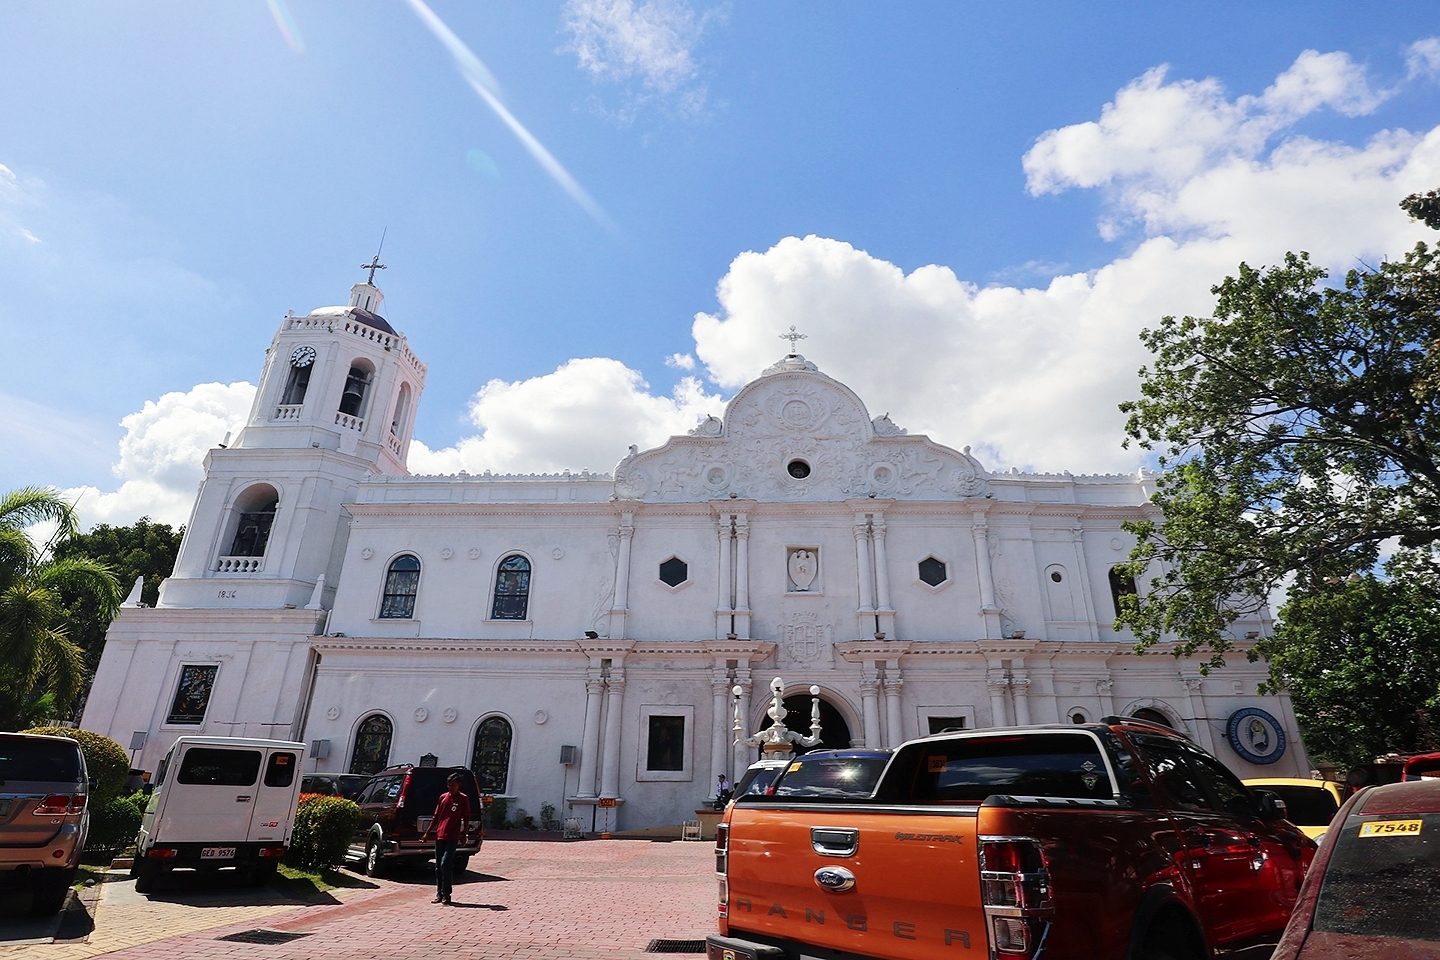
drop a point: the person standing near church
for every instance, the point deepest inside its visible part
(451, 813)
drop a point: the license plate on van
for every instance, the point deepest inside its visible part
(217, 853)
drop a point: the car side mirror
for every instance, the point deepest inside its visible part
(1271, 806)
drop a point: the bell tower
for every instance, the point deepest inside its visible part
(336, 404)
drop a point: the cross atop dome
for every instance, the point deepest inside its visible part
(794, 338)
(375, 264)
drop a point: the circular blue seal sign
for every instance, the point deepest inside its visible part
(1256, 735)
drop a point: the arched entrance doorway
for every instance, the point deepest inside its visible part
(834, 731)
(1151, 716)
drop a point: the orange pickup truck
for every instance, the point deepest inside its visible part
(1114, 840)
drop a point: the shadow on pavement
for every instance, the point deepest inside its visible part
(73, 922)
(227, 889)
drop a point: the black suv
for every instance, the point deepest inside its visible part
(396, 807)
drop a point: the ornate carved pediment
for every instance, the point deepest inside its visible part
(795, 434)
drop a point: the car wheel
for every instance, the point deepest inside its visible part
(462, 860)
(374, 864)
(146, 873)
(48, 893)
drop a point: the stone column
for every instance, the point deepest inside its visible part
(869, 701)
(615, 700)
(989, 609)
(884, 613)
(1195, 704)
(590, 739)
(724, 606)
(997, 687)
(622, 577)
(742, 577)
(1082, 570)
(866, 614)
(740, 754)
(1020, 690)
(1104, 690)
(721, 720)
(894, 725)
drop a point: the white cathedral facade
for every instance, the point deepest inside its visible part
(577, 636)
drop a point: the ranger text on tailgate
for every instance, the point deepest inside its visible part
(1116, 841)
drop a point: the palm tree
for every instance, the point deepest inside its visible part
(39, 665)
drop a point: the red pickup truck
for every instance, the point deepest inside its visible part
(1114, 840)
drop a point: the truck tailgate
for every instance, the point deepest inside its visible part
(916, 891)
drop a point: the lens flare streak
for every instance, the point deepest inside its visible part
(286, 23)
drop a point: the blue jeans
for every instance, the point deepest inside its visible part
(445, 867)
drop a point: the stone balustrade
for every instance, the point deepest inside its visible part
(240, 565)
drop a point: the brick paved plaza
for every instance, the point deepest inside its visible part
(524, 899)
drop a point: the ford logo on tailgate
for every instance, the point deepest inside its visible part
(834, 879)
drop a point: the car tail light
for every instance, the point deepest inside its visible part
(404, 789)
(272, 852)
(59, 804)
(163, 853)
(1015, 890)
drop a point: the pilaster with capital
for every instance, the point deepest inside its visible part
(742, 577)
(884, 612)
(1195, 704)
(720, 727)
(997, 686)
(894, 684)
(622, 577)
(1082, 570)
(865, 576)
(614, 714)
(870, 708)
(724, 604)
(1105, 691)
(590, 738)
(989, 610)
(1020, 690)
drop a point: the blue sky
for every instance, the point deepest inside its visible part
(959, 203)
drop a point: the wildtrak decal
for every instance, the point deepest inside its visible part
(900, 929)
(932, 837)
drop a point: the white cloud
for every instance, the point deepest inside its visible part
(653, 42)
(1423, 58)
(162, 452)
(1026, 375)
(582, 416)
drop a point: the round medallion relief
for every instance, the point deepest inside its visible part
(557, 553)
(446, 553)
(474, 553)
(366, 554)
(796, 414)
(333, 713)
(541, 716)
(421, 714)
(450, 714)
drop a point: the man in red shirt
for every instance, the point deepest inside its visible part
(449, 823)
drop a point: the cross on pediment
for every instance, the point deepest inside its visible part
(793, 337)
(375, 264)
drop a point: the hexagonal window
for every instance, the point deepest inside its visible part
(674, 572)
(932, 571)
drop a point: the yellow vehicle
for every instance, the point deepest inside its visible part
(1311, 803)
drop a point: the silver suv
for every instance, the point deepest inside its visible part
(44, 816)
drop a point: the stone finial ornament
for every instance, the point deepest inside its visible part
(777, 739)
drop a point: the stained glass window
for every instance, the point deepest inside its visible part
(512, 589)
(402, 582)
(192, 695)
(491, 760)
(372, 745)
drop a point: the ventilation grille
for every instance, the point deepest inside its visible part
(263, 936)
(675, 946)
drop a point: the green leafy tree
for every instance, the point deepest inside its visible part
(1299, 430)
(1361, 659)
(142, 549)
(37, 657)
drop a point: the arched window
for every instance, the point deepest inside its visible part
(357, 385)
(298, 382)
(402, 410)
(256, 508)
(402, 582)
(1152, 716)
(491, 760)
(1121, 585)
(372, 745)
(512, 589)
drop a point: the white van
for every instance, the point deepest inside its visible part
(220, 802)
